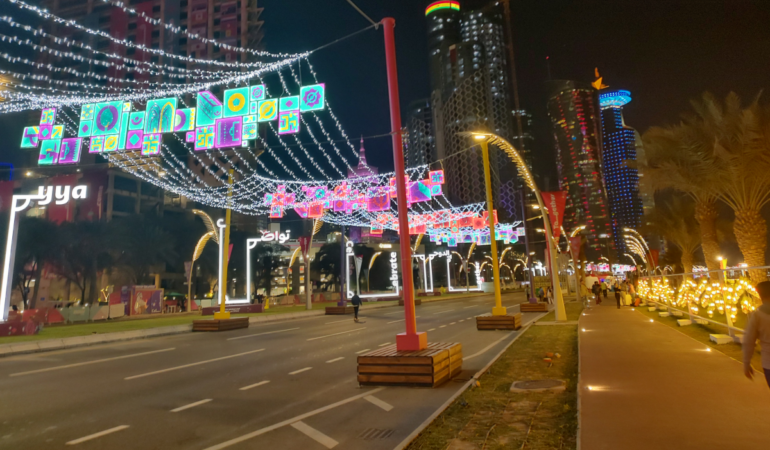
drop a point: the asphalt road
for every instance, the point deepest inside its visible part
(285, 385)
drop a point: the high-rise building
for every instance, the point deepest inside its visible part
(571, 107)
(470, 92)
(420, 143)
(619, 157)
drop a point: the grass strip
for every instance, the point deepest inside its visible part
(491, 417)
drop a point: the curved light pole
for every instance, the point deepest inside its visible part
(504, 145)
(371, 263)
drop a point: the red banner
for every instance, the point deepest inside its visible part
(555, 202)
(6, 194)
(304, 243)
(574, 244)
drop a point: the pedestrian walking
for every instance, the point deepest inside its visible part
(605, 287)
(758, 327)
(356, 304)
(618, 292)
(596, 289)
(549, 295)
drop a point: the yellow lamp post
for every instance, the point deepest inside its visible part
(499, 309)
(502, 144)
(224, 256)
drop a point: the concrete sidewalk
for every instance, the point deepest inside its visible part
(644, 385)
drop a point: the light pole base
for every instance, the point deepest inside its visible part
(411, 342)
(222, 315)
(499, 311)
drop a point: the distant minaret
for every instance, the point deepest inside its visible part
(363, 168)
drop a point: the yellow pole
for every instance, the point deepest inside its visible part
(499, 309)
(222, 314)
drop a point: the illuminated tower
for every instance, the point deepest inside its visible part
(571, 107)
(619, 143)
(363, 169)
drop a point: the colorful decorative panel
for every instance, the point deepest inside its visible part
(136, 122)
(312, 98)
(160, 116)
(288, 122)
(236, 102)
(87, 112)
(57, 132)
(85, 128)
(289, 104)
(48, 116)
(184, 120)
(134, 139)
(204, 137)
(45, 132)
(151, 144)
(97, 144)
(228, 132)
(123, 129)
(189, 136)
(29, 138)
(69, 151)
(208, 110)
(378, 203)
(107, 118)
(110, 143)
(257, 92)
(418, 192)
(249, 131)
(49, 152)
(268, 110)
(250, 119)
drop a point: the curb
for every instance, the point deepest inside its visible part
(47, 345)
(408, 440)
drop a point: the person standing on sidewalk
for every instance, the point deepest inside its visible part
(620, 291)
(356, 301)
(758, 327)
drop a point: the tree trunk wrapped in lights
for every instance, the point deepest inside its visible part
(706, 214)
(751, 234)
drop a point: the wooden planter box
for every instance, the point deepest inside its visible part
(417, 301)
(338, 310)
(534, 307)
(490, 322)
(431, 367)
(220, 324)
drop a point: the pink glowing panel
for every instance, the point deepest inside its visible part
(134, 139)
(437, 177)
(69, 151)
(228, 132)
(48, 116)
(190, 136)
(301, 211)
(288, 122)
(276, 212)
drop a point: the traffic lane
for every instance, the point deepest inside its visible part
(290, 358)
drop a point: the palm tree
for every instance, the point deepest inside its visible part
(268, 260)
(731, 148)
(676, 160)
(35, 247)
(143, 246)
(675, 221)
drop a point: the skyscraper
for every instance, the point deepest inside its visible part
(420, 143)
(470, 92)
(571, 107)
(619, 143)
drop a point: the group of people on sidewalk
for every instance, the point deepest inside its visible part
(623, 290)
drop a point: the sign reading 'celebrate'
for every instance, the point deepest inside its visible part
(113, 126)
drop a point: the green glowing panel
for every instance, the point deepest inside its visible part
(159, 116)
(87, 112)
(249, 131)
(184, 120)
(268, 110)
(85, 128)
(30, 138)
(208, 110)
(136, 122)
(312, 98)
(250, 119)
(237, 102)
(107, 118)
(289, 104)
(123, 131)
(49, 152)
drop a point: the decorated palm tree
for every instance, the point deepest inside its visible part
(675, 221)
(729, 147)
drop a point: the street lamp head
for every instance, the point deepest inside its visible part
(719, 258)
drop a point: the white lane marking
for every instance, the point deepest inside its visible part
(472, 306)
(488, 347)
(246, 388)
(96, 361)
(446, 310)
(442, 326)
(335, 360)
(397, 321)
(337, 334)
(383, 345)
(262, 431)
(99, 434)
(191, 405)
(361, 351)
(452, 323)
(338, 321)
(463, 320)
(376, 401)
(192, 364)
(432, 329)
(261, 334)
(314, 434)
(468, 318)
(300, 371)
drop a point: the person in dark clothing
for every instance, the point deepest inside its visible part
(596, 289)
(356, 301)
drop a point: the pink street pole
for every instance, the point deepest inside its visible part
(411, 340)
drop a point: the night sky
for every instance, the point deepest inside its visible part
(664, 52)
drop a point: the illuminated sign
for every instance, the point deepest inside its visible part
(112, 126)
(393, 273)
(441, 5)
